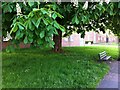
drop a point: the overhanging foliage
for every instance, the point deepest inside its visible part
(38, 22)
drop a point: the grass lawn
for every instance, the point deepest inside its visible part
(41, 68)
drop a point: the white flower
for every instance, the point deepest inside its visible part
(18, 9)
(75, 2)
(59, 1)
(68, 27)
(85, 5)
(71, 26)
(107, 1)
(101, 2)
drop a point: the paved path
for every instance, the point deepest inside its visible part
(112, 79)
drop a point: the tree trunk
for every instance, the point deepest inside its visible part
(58, 41)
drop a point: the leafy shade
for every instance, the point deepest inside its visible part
(39, 22)
(37, 27)
(8, 14)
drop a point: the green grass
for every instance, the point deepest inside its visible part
(40, 68)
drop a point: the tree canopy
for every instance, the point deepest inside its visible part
(38, 22)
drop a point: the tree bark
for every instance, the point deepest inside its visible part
(58, 41)
(58, 38)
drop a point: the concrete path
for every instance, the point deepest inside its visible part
(112, 79)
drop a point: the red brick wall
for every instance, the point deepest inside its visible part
(75, 40)
(21, 45)
(99, 38)
(113, 39)
(89, 36)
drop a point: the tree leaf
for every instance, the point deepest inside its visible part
(32, 28)
(54, 7)
(85, 18)
(50, 27)
(76, 20)
(37, 32)
(111, 12)
(62, 28)
(30, 25)
(7, 8)
(54, 15)
(73, 20)
(30, 34)
(36, 22)
(59, 15)
(17, 35)
(39, 41)
(45, 21)
(26, 25)
(14, 29)
(42, 34)
(68, 8)
(25, 40)
(53, 43)
(55, 31)
(31, 14)
(36, 9)
(21, 35)
(43, 11)
(30, 4)
(47, 39)
(20, 27)
(56, 25)
(30, 39)
(52, 31)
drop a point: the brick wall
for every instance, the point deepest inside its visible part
(73, 40)
(99, 37)
(21, 45)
